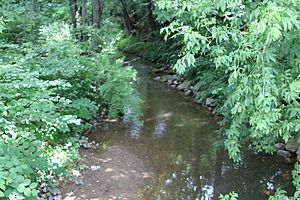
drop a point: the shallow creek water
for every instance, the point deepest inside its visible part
(176, 145)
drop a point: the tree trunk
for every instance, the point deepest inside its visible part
(83, 20)
(127, 22)
(96, 18)
(97, 12)
(73, 9)
(151, 19)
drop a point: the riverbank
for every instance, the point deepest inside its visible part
(109, 175)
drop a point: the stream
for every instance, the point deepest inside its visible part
(176, 144)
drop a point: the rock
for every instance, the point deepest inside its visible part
(79, 181)
(284, 153)
(188, 93)
(173, 86)
(159, 70)
(94, 168)
(169, 82)
(156, 78)
(279, 146)
(175, 82)
(292, 145)
(298, 154)
(165, 78)
(210, 102)
(184, 86)
(174, 77)
(196, 87)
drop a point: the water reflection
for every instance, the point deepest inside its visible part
(135, 130)
(160, 125)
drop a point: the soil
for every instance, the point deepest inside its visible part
(110, 175)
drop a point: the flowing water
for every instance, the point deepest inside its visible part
(176, 144)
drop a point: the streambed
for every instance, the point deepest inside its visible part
(175, 146)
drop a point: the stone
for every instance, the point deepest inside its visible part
(298, 154)
(196, 87)
(210, 102)
(174, 77)
(159, 70)
(284, 153)
(165, 78)
(156, 78)
(185, 85)
(279, 146)
(79, 181)
(292, 145)
(175, 82)
(169, 82)
(173, 86)
(96, 167)
(188, 93)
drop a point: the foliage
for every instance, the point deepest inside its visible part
(50, 88)
(20, 162)
(230, 196)
(246, 42)
(281, 194)
(156, 51)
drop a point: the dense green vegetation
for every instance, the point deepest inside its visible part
(59, 67)
(51, 86)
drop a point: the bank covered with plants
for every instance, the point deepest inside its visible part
(51, 86)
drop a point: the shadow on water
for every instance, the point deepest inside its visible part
(175, 143)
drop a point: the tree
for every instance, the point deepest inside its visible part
(84, 19)
(129, 27)
(73, 11)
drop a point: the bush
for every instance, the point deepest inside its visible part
(48, 93)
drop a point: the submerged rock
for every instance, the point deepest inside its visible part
(284, 153)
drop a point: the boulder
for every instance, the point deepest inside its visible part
(284, 153)
(210, 102)
(185, 85)
(292, 145)
(175, 82)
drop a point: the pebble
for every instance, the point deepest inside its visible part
(94, 168)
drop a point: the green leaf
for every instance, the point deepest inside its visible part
(21, 188)
(27, 192)
(26, 182)
(33, 185)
